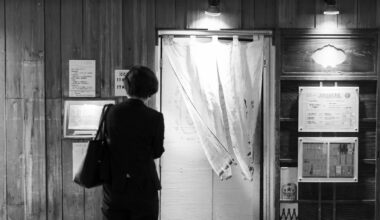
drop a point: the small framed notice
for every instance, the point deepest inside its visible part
(82, 78)
(81, 117)
(328, 109)
(328, 159)
(119, 84)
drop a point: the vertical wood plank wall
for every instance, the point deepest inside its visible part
(37, 38)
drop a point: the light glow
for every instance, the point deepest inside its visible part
(215, 14)
(329, 56)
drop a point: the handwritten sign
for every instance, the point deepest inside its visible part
(328, 109)
(119, 84)
(82, 78)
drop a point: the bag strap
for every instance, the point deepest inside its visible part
(100, 134)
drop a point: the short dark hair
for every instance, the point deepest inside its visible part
(141, 82)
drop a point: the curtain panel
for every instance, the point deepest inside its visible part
(221, 84)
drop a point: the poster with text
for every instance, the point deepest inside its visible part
(328, 109)
(82, 78)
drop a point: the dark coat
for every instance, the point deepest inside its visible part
(136, 134)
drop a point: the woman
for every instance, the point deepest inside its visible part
(136, 134)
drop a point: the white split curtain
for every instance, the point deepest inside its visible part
(221, 86)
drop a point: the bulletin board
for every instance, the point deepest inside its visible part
(328, 109)
(328, 159)
(81, 117)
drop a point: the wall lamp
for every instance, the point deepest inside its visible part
(331, 8)
(213, 8)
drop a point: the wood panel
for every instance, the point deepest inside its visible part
(71, 48)
(53, 94)
(348, 17)
(54, 158)
(25, 168)
(3, 124)
(71, 38)
(25, 48)
(15, 161)
(247, 17)
(265, 15)
(25, 108)
(128, 27)
(297, 52)
(92, 37)
(113, 49)
(180, 14)
(73, 194)
(296, 14)
(166, 14)
(53, 49)
(367, 13)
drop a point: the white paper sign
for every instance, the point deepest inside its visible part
(119, 84)
(79, 151)
(82, 78)
(328, 109)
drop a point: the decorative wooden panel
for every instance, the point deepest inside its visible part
(360, 53)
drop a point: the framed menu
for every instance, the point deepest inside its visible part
(81, 117)
(328, 109)
(327, 159)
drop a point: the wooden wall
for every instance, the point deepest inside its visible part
(37, 38)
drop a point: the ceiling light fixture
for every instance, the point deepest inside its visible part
(331, 8)
(213, 8)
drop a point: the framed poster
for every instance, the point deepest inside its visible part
(328, 109)
(328, 159)
(81, 117)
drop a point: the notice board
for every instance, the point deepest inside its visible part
(328, 159)
(328, 109)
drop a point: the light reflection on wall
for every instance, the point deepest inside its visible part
(328, 26)
(210, 22)
(329, 56)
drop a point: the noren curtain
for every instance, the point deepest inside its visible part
(221, 85)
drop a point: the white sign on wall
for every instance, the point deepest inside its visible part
(119, 84)
(328, 109)
(82, 78)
